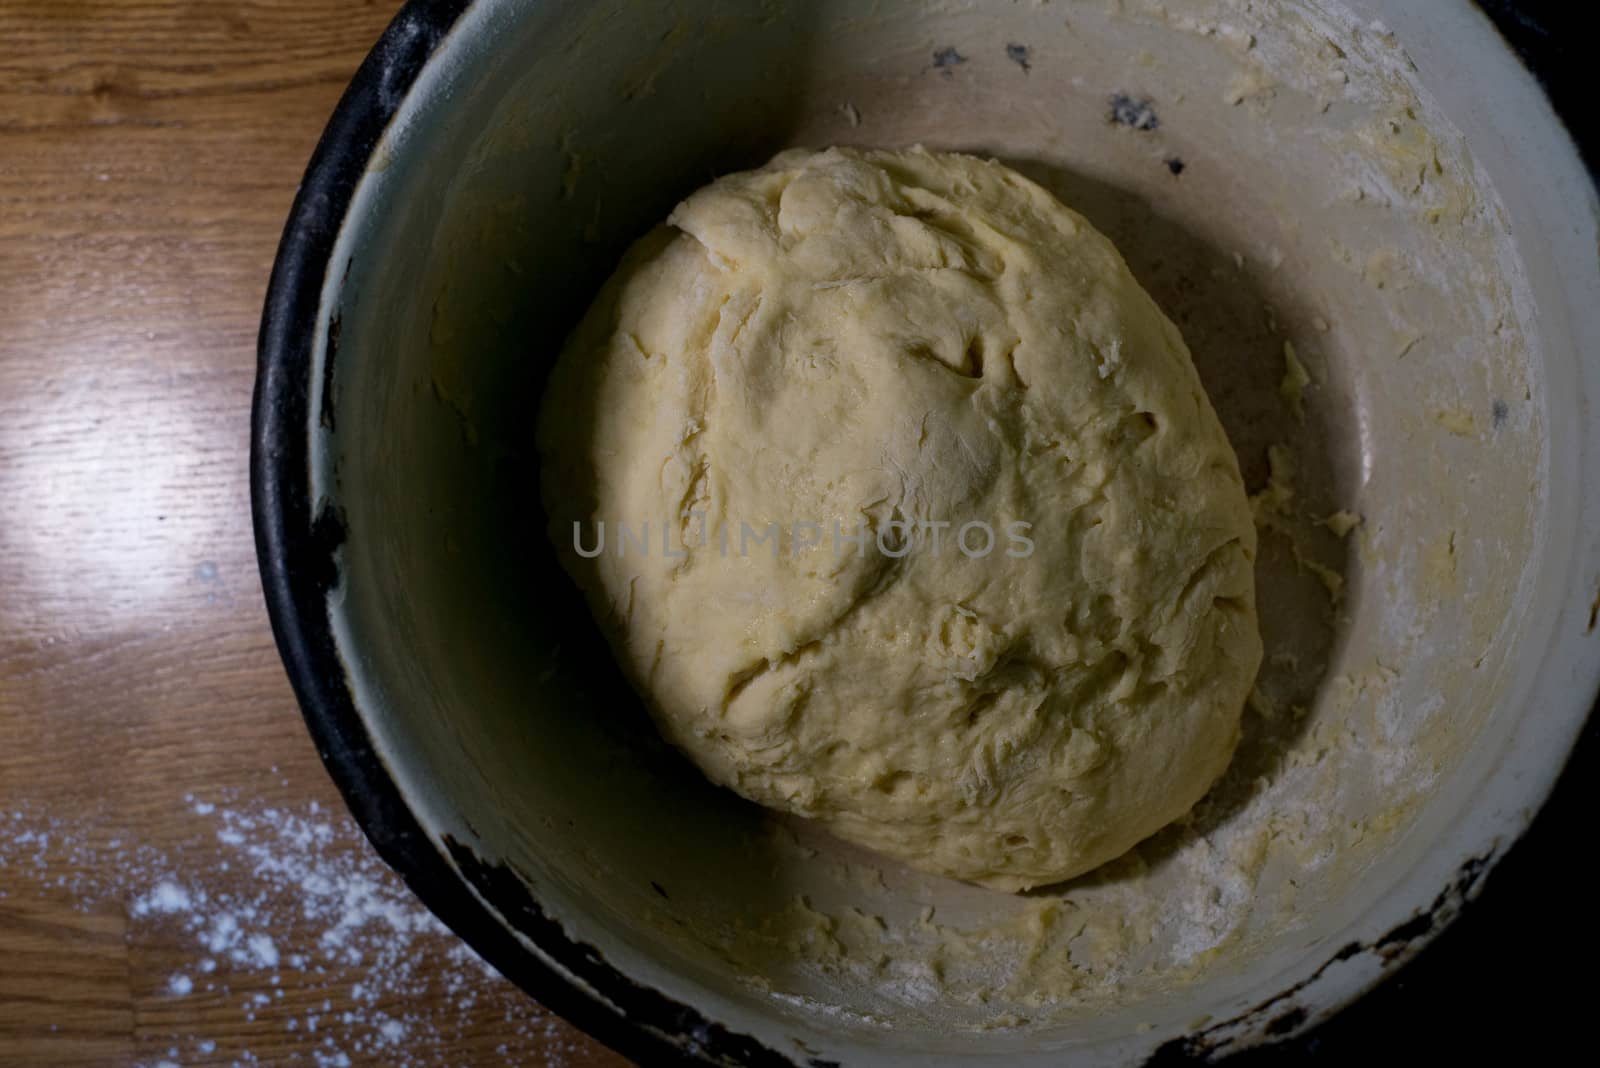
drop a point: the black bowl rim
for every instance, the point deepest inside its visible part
(297, 556)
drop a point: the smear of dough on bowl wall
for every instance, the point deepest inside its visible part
(1339, 266)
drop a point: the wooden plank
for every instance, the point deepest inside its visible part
(149, 152)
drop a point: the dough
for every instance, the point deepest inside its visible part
(876, 343)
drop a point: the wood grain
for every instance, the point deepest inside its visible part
(149, 152)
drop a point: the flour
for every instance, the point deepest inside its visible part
(273, 897)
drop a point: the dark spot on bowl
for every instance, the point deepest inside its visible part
(326, 415)
(658, 888)
(947, 58)
(1019, 54)
(319, 556)
(1500, 411)
(1287, 1023)
(1136, 112)
(1176, 165)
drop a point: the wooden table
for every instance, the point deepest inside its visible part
(178, 881)
(150, 748)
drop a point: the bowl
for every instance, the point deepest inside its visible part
(1378, 242)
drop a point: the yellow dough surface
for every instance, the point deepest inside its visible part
(793, 414)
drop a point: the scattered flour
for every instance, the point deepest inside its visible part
(265, 893)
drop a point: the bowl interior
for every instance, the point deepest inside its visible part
(1282, 177)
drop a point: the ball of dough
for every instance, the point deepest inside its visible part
(794, 397)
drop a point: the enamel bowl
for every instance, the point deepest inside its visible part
(1375, 194)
